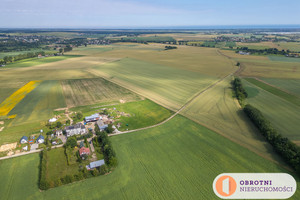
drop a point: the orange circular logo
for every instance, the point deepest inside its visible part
(225, 186)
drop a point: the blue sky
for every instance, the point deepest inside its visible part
(145, 13)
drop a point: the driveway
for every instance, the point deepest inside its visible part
(34, 147)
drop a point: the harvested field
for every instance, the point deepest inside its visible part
(217, 110)
(90, 91)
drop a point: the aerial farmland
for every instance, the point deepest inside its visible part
(146, 115)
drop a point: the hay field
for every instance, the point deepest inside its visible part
(217, 110)
(261, 66)
(79, 92)
(293, 46)
(185, 36)
(259, 45)
(168, 86)
(288, 85)
(159, 163)
(195, 59)
(283, 115)
(9, 103)
(38, 61)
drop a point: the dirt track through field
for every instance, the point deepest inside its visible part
(177, 112)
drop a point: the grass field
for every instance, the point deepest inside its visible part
(14, 53)
(159, 163)
(148, 39)
(259, 45)
(40, 103)
(37, 61)
(170, 86)
(91, 91)
(286, 96)
(289, 85)
(261, 66)
(142, 113)
(283, 115)
(283, 59)
(57, 166)
(219, 111)
(292, 46)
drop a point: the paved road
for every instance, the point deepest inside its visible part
(28, 152)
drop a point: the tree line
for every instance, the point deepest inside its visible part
(282, 145)
(285, 147)
(11, 59)
(264, 51)
(239, 90)
(170, 47)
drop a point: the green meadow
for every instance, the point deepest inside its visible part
(284, 95)
(178, 160)
(37, 61)
(282, 114)
(289, 85)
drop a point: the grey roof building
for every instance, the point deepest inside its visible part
(77, 129)
(95, 164)
(101, 125)
(92, 118)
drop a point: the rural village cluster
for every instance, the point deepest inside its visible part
(59, 136)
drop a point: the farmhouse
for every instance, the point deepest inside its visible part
(40, 139)
(92, 118)
(101, 125)
(95, 164)
(58, 132)
(24, 139)
(84, 151)
(77, 129)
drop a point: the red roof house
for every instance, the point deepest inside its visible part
(84, 151)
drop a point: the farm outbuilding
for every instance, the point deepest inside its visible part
(101, 125)
(92, 118)
(95, 164)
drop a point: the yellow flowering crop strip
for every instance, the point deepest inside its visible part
(9, 103)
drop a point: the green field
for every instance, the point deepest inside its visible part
(38, 61)
(283, 115)
(292, 46)
(289, 85)
(159, 163)
(91, 91)
(170, 86)
(230, 44)
(148, 39)
(218, 110)
(283, 59)
(286, 96)
(39, 104)
(14, 53)
(57, 166)
(142, 113)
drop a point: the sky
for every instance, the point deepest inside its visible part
(145, 13)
